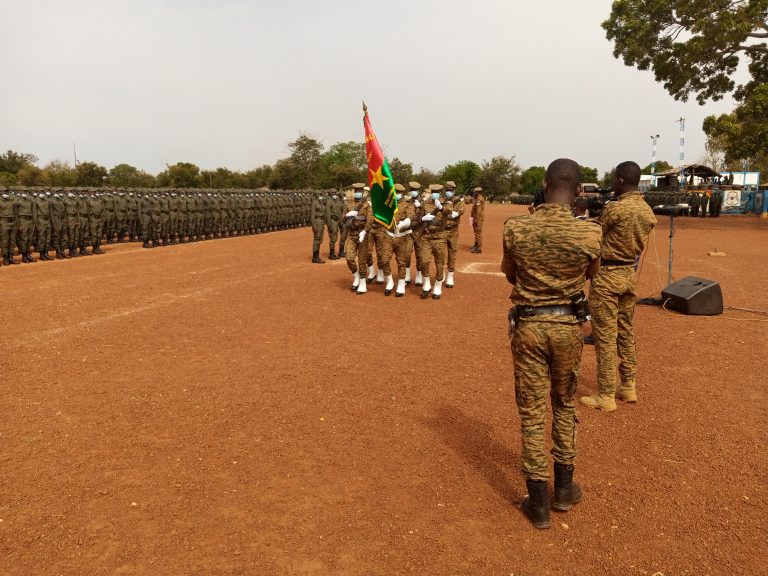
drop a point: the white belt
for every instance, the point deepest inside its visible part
(399, 234)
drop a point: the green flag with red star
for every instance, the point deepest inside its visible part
(380, 181)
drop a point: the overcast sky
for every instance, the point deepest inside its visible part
(231, 82)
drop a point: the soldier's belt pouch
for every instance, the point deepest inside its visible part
(531, 311)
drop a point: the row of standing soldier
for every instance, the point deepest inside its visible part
(69, 220)
(426, 227)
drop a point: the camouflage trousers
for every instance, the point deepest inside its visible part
(452, 244)
(612, 305)
(344, 229)
(433, 246)
(383, 243)
(357, 254)
(95, 229)
(44, 236)
(318, 227)
(547, 360)
(477, 228)
(403, 247)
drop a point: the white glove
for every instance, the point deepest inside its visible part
(417, 203)
(362, 236)
(404, 224)
(438, 205)
(351, 213)
(454, 214)
(427, 217)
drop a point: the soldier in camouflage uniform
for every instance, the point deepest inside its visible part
(318, 226)
(547, 255)
(626, 224)
(358, 209)
(27, 219)
(452, 223)
(382, 241)
(434, 241)
(110, 216)
(95, 221)
(418, 229)
(58, 224)
(478, 216)
(43, 245)
(402, 237)
(334, 217)
(9, 213)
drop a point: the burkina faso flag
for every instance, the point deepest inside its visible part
(380, 181)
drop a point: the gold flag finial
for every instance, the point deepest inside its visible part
(365, 108)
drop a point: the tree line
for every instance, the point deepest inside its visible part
(309, 165)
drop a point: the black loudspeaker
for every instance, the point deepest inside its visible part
(695, 296)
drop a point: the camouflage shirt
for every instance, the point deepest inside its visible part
(550, 251)
(626, 223)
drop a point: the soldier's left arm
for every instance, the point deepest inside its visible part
(508, 264)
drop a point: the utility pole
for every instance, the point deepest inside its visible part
(653, 160)
(682, 149)
(74, 149)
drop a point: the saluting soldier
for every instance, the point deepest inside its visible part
(452, 223)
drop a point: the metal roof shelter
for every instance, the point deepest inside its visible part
(671, 177)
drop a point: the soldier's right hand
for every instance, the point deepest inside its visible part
(351, 213)
(427, 217)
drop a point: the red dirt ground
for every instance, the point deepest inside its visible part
(227, 407)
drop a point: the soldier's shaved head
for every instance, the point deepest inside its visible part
(562, 181)
(630, 172)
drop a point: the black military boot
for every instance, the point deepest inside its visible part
(61, 255)
(332, 255)
(11, 261)
(342, 254)
(27, 257)
(316, 258)
(6, 261)
(567, 492)
(44, 256)
(97, 249)
(536, 505)
(84, 251)
(73, 252)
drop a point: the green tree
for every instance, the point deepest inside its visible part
(692, 46)
(58, 173)
(221, 178)
(531, 179)
(500, 176)
(90, 174)
(402, 172)
(257, 178)
(29, 175)
(305, 161)
(661, 166)
(12, 161)
(425, 177)
(127, 176)
(342, 164)
(464, 173)
(180, 175)
(607, 181)
(588, 174)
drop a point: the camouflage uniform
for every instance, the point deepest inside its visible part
(9, 210)
(626, 224)
(478, 215)
(27, 222)
(548, 252)
(452, 239)
(434, 246)
(43, 245)
(334, 215)
(356, 251)
(402, 241)
(318, 224)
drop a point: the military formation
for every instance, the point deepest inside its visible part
(700, 203)
(69, 221)
(425, 232)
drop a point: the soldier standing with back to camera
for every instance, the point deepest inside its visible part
(547, 256)
(626, 224)
(334, 215)
(9, 211)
